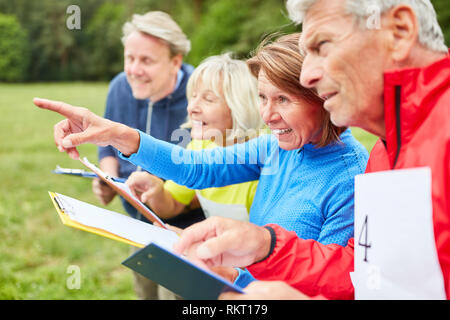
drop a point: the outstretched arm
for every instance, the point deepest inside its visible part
(199, 169)
(195, 169)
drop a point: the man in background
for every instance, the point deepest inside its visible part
(150, 95)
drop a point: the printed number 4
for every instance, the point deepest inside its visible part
(366, 245)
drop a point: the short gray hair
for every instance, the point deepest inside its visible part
(430, 33)
(160, 25)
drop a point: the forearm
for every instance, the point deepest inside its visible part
(123, 138)
(309, 266)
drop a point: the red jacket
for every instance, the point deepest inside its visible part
(417, 118)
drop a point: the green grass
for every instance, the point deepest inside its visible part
(367, 140)
(36, 249)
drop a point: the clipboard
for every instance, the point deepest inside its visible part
(125, 192)
(83, 216)
(178, 274)
(82, 173)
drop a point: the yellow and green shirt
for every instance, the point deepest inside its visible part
(233, 201)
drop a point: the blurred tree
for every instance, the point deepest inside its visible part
(56, 52)
(105, 47)
(13, 49)
(266, 18)
(443, 12)
(95, 51)
(237, 26)
(218, 29)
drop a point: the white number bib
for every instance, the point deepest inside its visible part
(395, 250)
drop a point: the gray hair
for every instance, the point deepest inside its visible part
(160, 25)
(430, 33)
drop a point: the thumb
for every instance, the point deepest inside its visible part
(132, 190)
(147, 195)
(131, 186)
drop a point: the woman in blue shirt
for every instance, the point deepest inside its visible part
(306, 167)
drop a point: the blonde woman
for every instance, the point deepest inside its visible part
(223, 109)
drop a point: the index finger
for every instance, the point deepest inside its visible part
(60, 107)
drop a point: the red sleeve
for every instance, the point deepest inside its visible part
(378, 160)
(309, 266)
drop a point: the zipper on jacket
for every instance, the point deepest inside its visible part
(398, 96)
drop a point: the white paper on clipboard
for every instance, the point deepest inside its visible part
(395, 250)
(115, 223)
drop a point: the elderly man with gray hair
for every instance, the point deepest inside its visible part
(382, 66)
(150, 95)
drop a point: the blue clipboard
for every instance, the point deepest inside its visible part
(178, 274)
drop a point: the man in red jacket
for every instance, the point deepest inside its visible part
(386, 70)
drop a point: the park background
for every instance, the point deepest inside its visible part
(40, 56)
